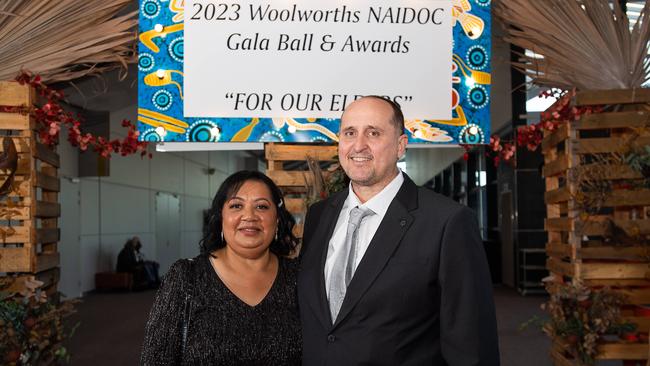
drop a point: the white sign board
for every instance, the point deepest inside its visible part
(309, 59)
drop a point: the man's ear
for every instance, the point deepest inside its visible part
(401, 145)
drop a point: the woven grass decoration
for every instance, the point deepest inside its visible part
(586, 44)
(65, 39)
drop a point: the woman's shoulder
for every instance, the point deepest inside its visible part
(290, 264)
(183, 268)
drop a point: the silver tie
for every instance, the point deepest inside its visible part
(343, 267)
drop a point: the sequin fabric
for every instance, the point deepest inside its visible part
(222, 329)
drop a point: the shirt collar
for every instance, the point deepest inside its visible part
(380, 202)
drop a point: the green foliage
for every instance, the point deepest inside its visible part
(639, 160)
(32, 326)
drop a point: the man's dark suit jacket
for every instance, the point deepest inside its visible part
(421, 294)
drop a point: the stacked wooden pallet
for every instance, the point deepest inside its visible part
(29, 212)
(600, 239)
(294, 182)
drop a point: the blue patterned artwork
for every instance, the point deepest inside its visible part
(160, 88)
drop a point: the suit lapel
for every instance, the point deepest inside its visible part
(320, 242)
(383, 244)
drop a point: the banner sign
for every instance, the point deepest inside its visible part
(280, 71)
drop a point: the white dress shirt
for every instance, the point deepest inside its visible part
(379, 205)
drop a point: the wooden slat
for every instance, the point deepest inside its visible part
(44, 153)
(614, 96)
(47, 235)
(47, 209)
(47, 182)
(612, 252)
(607, 144)
(15, 121)
(21, 143)
(559, 195)
(24, 165)
(557, 136)
(613, 120)
(642, 323)
(560, 360)
(557, 166)
(610, 172)
(45, 261)
(291, 178)
(608, 351)
(22, 186)
(623, 351)
(15, 213)
(559, 250)
(562, 250)
(558, 224)
(598, 226)
(624, 197)
(615, 270)
(15, 259)
(560, 267)
(634, 227)
(14, 94)
(49, 277)
(275, 165)
(49, 247)
(21, 234)
(634, 296)
(295, 205)
(300, 152)
(621, 283)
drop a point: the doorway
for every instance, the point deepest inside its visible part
(168, 233)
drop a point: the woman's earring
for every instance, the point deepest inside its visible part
(222, 240)
(276, 234)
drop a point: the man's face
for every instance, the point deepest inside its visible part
(369, 143)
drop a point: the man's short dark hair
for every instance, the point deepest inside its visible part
(398, 116)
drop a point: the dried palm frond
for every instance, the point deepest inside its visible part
(586, 44)
(65, 39)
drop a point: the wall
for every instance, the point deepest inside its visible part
(99, 214)
(424, 163)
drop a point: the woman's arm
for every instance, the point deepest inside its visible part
(163, 333)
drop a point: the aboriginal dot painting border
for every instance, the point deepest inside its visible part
(160, 88)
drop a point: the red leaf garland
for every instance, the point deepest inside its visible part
(51, 117)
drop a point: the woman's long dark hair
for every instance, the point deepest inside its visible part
(284, 244)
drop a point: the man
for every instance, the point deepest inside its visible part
(392, 274)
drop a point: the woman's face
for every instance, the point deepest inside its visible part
(249, 220)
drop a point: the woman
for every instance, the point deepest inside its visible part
(235, 304)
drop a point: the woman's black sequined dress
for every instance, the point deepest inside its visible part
(222, 329)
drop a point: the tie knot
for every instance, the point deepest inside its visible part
(358, 213)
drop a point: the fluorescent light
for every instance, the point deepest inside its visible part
(431, 146)
(207, 146)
